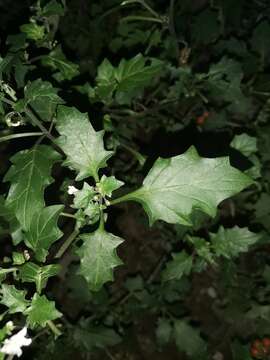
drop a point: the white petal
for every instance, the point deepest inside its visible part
(72, 190)
(12, 346)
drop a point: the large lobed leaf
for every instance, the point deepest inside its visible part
(98, 257)
(82, 144)
(180, 265)
(56, 60)
(188, 340)
(42, 97)
(30, 272)
(43, 231)
(126, 81)
(231, 242)
(29, 175)
(176, 186)
(13, 298)
(41, 311)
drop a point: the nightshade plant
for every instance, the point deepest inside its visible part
(182, 190)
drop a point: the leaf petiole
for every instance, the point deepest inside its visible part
(54, 329)
(21, 135)
(68, 215)
(66, 244)
(142, 18)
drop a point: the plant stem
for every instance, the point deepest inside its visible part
(68, 215)
(66, 244)
(140, 158)
(101, 221)
(35, 120)
(6, 271)
(21, 135)
(7, 101)
(123, 198)
(54, 329)
(142, 18)
(143, 3)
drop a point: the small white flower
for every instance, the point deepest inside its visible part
(72, 190)
(12, 346)
(10, 325)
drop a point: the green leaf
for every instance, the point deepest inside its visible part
(261, 39)
(31, 272)
(106, 82)
(43, 98)
(127, 80)
(82, 144)
(108, 184)
(14, 299)
(33, 31)
(98, 257)
(163, 331)
(53, 8)
(43, 231)
(231, 242)
(188, 340)
(41, 311)
(180, 265)
(93, 211)
(209, 31)
(82, 198)
(16, 42)
(29, 175)
(56, 60)
(176, 186)
(18, 258)
(202, 248)
(133, 75)
(90, 337)
(244, 143)
(15, 228)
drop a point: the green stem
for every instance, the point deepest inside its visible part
(143, 3)
(66, 244)
(35, 120)
(127, 197)
(7, 101)
(54, 329)
(101, 221)
(6, 271)
(261, 93)
(140, 158)
(68, 215)
(142, 18)
(21, 135)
